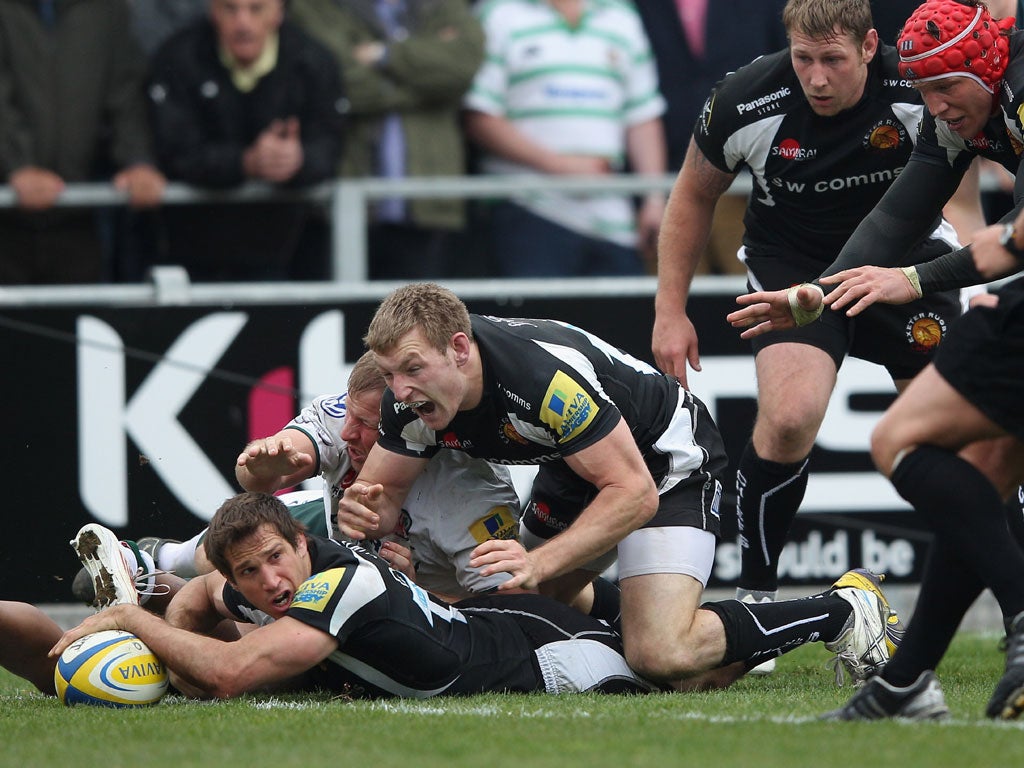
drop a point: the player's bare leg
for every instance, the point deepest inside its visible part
(28, 635)
(664, 634)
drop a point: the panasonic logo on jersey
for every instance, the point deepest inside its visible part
(762, 100)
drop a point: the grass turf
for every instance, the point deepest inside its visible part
(760, 721)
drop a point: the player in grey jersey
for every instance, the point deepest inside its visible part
(457, 503)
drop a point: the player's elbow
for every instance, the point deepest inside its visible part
(187, 687)
(645, 502)
(227, 683)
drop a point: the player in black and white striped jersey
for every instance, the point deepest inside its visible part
(337, 617)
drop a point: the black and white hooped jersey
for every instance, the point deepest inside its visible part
(815, 178)
(550, 390)
(395, 639)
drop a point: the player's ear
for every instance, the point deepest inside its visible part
(461, 346)
(869, 47)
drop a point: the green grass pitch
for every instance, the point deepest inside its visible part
(760, 721)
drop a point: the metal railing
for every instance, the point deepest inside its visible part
(349, 200)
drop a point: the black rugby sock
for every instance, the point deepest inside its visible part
(606, 605)
(1014, 508)
(768, 497)
(948, 589)
(966, 513)
(758, 632)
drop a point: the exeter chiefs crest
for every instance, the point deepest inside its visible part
(924, 331)
(885, 135)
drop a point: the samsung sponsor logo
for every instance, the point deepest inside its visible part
(763, 100)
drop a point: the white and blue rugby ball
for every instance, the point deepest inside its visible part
(111, 668)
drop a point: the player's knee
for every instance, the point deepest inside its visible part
(885, 447)
(658, 662)
(785, 437)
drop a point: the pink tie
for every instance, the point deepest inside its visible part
(693, 13)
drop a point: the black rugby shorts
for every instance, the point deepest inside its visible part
(983, 359)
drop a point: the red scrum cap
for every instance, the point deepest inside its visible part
(947, 38)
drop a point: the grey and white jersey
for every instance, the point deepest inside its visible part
(457, 503)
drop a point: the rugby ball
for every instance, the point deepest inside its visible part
(111, 668)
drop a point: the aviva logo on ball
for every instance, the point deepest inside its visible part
(111, 668)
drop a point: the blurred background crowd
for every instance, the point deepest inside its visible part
(217, 94)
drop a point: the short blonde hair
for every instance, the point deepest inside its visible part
(365, 376)
(436, 311)
(823, 19)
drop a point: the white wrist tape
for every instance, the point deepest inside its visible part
(800, 315)
(915, 280)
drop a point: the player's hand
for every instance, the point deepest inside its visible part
(766, 311)
(273, 460)
(858, 288)
(357, 516)
(984, 299)
(110, 618)
(506, 556)
(674, 344)
(399, 558)
(990, 258)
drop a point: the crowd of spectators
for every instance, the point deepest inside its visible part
(215, 93)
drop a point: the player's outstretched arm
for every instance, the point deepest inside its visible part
(270, 654)
(901, 218)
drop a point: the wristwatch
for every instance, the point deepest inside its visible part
(1006, 240)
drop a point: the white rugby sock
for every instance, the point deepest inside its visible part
(180, 558)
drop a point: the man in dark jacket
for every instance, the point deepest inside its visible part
(70, 85)
(243, 95)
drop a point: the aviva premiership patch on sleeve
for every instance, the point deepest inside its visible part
(499, 523)
(567, 409)
(314, 593)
